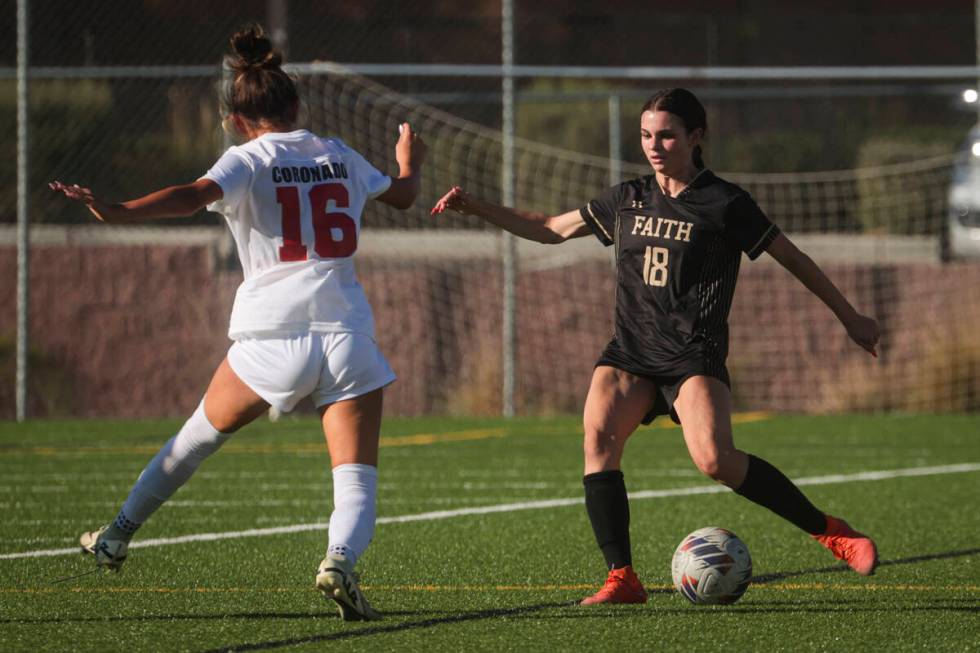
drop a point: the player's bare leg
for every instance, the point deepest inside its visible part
(615, 406)
(352, 428)
(704, 407)
(228, 405)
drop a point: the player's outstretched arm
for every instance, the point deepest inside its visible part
(531, 225)
(862, 329)
(410, 154)
(170, 202)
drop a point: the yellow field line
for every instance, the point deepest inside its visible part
(434, 438)
(737, 418)
(872, 587)
(866, 587)
(393, 441)
(751, 416)
(390, 441)
(869, 587)
(661, 423)
(152, 590)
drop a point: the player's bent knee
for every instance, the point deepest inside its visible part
(224, 423)
(709, 466)
(229, 421)
(710, 463)
(718, 466)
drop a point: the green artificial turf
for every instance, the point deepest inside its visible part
(503, 580)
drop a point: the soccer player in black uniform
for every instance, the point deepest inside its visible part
(679, 236)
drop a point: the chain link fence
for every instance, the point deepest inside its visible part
(123, 93)
(124, 100)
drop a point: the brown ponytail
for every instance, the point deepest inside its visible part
(261, 90)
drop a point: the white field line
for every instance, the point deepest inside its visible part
(830, 479)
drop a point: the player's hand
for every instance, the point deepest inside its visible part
(456, 200)
(410, 149)
(864, 331)
(84, 195)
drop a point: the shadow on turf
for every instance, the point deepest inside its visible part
(367, 631)
(782, 575)
(769, 607)
(183, 617)
(460, 617)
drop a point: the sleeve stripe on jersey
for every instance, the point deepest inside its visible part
(763, 242)
(588, 207)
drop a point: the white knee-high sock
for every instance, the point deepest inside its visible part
(355, 487)
(169, 469)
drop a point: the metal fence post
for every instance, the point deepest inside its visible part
(509, 241)
(615, 140)
(23, 234)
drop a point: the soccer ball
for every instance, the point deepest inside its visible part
(711, 565)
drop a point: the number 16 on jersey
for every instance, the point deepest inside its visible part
(325, 223)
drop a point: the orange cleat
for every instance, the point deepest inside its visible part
(856, 549)
(622, 586)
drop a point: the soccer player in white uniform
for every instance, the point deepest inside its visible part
(301, 322)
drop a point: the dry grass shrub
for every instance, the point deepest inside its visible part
(943, 375)
(476, 391)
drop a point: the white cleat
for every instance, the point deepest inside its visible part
(108, 553)
(337, 580)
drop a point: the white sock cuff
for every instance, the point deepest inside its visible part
(199, 420)
(196, 440)
(356, 468)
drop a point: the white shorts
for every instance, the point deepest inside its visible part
(326, 367)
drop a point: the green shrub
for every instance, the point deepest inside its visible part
(779, 151)
(580, 125)
(902, 203)
(122, 140)
(67, 117)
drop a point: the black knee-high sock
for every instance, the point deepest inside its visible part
(769, 487)
(609, 512)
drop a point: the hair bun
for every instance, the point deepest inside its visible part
(254, 50)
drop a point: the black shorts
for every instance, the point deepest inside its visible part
(668, 382)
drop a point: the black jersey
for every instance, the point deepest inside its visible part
(677, 261)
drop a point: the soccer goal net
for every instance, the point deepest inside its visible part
(437, 283)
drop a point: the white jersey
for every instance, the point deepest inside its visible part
(293, 202)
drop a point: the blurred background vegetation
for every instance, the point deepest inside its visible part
(128, 135)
